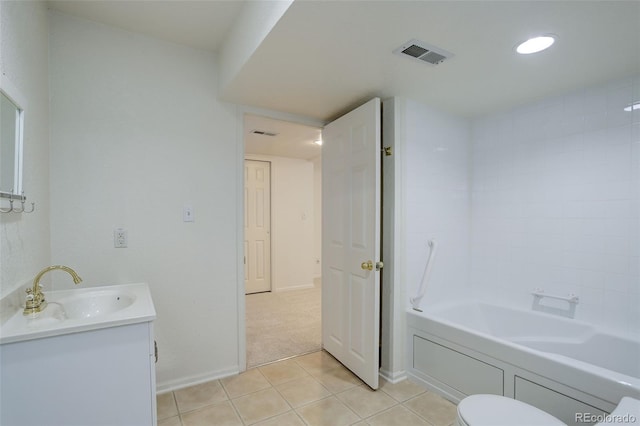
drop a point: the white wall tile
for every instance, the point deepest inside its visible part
(571, 177)
(546, 196)
(437, 198)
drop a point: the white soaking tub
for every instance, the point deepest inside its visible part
(562, 366)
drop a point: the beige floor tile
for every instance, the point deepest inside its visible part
(366, 402)
(317, 362)
(433, 408)
(287, 419)
(283, 371)
(401, 391)
(327, 412)
(302, 391)
(221, 414)
(245, 383)
(166, 405)
(337, 379)
(260, 405)
(171, 421)
(397, 416)
(198, 396)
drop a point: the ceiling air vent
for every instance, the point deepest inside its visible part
(422, 51)
(263, 133)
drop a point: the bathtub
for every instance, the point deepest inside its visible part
(562, 366)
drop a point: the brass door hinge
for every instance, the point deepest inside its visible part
(387, 151)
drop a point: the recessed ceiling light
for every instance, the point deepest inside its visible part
(634, 106)
(535, 44)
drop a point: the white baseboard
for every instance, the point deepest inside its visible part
(296, 287)
(195, 380)
(393, 376)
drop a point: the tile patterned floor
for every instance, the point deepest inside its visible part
(313, 389)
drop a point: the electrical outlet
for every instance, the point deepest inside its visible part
(120, 238)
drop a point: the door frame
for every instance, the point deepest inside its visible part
(393, 293)
(240, 112)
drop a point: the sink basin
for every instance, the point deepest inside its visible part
(95, 303)
(78, 310)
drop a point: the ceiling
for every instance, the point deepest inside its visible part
(324, 58)
(202, 24)
(290, 140)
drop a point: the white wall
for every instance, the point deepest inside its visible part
(292, 222)
(435, 201)
(24, 238)
(136, 133)
(555, 203)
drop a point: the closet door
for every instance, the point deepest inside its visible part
(257, 226)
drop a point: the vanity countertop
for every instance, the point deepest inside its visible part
(78, 310)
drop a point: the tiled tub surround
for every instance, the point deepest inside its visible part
(554, 203)
(312, 389)
(435, 171)
(540, 196)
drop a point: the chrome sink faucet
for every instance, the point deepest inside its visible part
(35, 298)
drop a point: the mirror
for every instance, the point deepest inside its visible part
(11, 134)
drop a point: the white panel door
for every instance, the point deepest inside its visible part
(351, 240)
(257, 226)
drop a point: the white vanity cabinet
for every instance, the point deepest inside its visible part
(97, 377)
(90, 366)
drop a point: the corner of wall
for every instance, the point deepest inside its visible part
(254, 24)
(393, 317)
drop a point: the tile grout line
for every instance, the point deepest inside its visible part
(235, 409)
(175, 401)
(319, 366)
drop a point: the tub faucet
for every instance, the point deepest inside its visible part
(35, 298)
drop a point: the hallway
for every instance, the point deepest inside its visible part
(283, 324)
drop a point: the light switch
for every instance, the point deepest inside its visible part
(187, 214)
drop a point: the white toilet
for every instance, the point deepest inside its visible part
(496, 410)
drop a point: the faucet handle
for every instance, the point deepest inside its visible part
(29, 296)
(29, 291)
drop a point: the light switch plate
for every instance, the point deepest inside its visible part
(188, 214)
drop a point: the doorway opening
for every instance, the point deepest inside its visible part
(282, 246)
